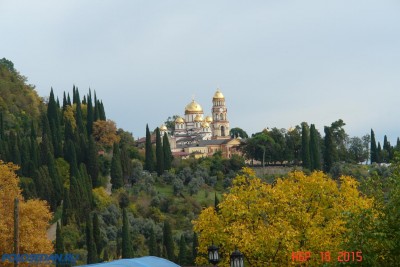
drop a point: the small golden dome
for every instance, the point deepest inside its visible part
(205, 124)
(218, 95)
(193, 107)
(179, 120)
(163, 128)
(209, 119)
(198, 118)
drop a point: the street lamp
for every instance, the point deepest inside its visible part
(213, 256)
(237, 259)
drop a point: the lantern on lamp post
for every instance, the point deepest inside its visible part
(237, 259)
(213, 256)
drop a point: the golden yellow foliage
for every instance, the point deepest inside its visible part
(69, 116)
(101, 198)
(105, 133)
(269, 222)
(34, 216)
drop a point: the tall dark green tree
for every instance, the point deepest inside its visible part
(127, 249)
(159, 153)
(167, 152)
(116, 169)
(59, 248)
(152, 243)
(96, 234)
(182, 257)
(92, 163)
(90, 115)
(329, 152)
(54, 124)
(168, 241)
(66, 211)
(149, 155)
(79, 119)
(314, 149)
(305, 146)
(374, 154)
(90, 243)
(379, 153)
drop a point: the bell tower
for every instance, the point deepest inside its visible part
(220, 124)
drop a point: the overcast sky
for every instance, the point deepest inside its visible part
(278, 63)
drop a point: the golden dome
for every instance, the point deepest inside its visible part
(209, 119)
(179, 120)
(218, 95)
(205, 124)
(193, 107)
(163, 128)
(198, 118)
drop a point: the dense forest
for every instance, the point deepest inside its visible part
(72, 167)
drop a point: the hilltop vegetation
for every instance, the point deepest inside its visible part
(19, 102)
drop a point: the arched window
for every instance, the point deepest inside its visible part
(222, 131)
(221, 116)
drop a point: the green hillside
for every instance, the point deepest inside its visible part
(19, 102)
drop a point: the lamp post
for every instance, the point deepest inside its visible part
(237, 259)
(213, 256)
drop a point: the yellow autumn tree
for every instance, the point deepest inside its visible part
(34, 216)
(269, 222)
(105, 133)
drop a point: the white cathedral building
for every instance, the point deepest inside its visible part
(202, 135)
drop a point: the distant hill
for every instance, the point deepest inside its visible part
(19, 102)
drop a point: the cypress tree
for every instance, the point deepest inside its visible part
(92, 163)
(75, 199)
(66, 213)
(373, 147)
(182, 257)
(15, 154)
(96, 115)
(168, 242)
(167, 152)
(116, 169)
(96, 234)
(305, 146)
(25, 157)
(69, 100)
(65, 102)
(152, 243)
(149, 161)
(54, 124)
(59, 249)
(159, 153)
(127, 249)
(55, 178)
(86, 186)
(102, 113)
(90, 244)
(90, 115)
(329, 149)
(314, 149)
(379, 153)
(398, 144)
(79, 119)
(126, 163)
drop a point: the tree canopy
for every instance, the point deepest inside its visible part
(298, 213)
